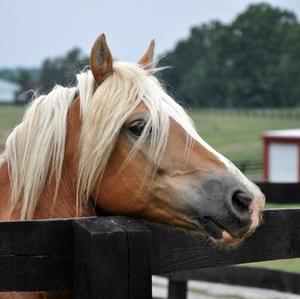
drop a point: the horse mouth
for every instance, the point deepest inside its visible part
(218, 233)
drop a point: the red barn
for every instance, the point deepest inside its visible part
(281, 160)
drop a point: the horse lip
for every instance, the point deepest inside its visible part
(219, 233)
(212, 228)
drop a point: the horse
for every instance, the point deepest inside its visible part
(119, 143)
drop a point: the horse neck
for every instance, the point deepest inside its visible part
(65, 203)
(4, 191)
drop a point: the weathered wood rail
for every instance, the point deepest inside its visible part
(281, 193)
(114, 257)
(244, 276)
(249, 165)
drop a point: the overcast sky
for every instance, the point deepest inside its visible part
(31, 30)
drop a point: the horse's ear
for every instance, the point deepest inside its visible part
(101, 60)
(147, 60)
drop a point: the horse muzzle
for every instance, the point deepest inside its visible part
(228, 210)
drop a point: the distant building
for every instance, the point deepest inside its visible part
(8, 91)
(282, 155)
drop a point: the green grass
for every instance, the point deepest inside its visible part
(238, 137)
(282, 206)
(289, 265)
(10, 116)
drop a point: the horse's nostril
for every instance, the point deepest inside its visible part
(241, 201)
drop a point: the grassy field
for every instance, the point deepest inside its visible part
(288, 265)
(238, 138)
(10, 116)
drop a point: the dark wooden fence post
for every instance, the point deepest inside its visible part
(177, 289)
(112, 259)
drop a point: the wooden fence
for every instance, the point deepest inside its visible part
(281, 113)
(114, 257)
(249, 166)
(281, 193)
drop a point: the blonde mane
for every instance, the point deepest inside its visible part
(37, 144)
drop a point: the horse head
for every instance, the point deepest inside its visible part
(140, 155)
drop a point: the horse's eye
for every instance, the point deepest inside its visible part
(137, 127)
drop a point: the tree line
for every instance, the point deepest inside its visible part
(58, 70)
(254, 61)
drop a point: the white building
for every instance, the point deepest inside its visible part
(282, 155)
(8, 91)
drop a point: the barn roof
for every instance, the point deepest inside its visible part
(9, 86)
(283, 134)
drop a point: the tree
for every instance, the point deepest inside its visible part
(254, 61)
(61, 70)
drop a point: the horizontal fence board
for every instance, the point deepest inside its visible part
(36, 255)
(281, 192)
(49, 237)
(249, 165)
(244, 276)
(48, 264)
(25, 273)
(177, 250)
